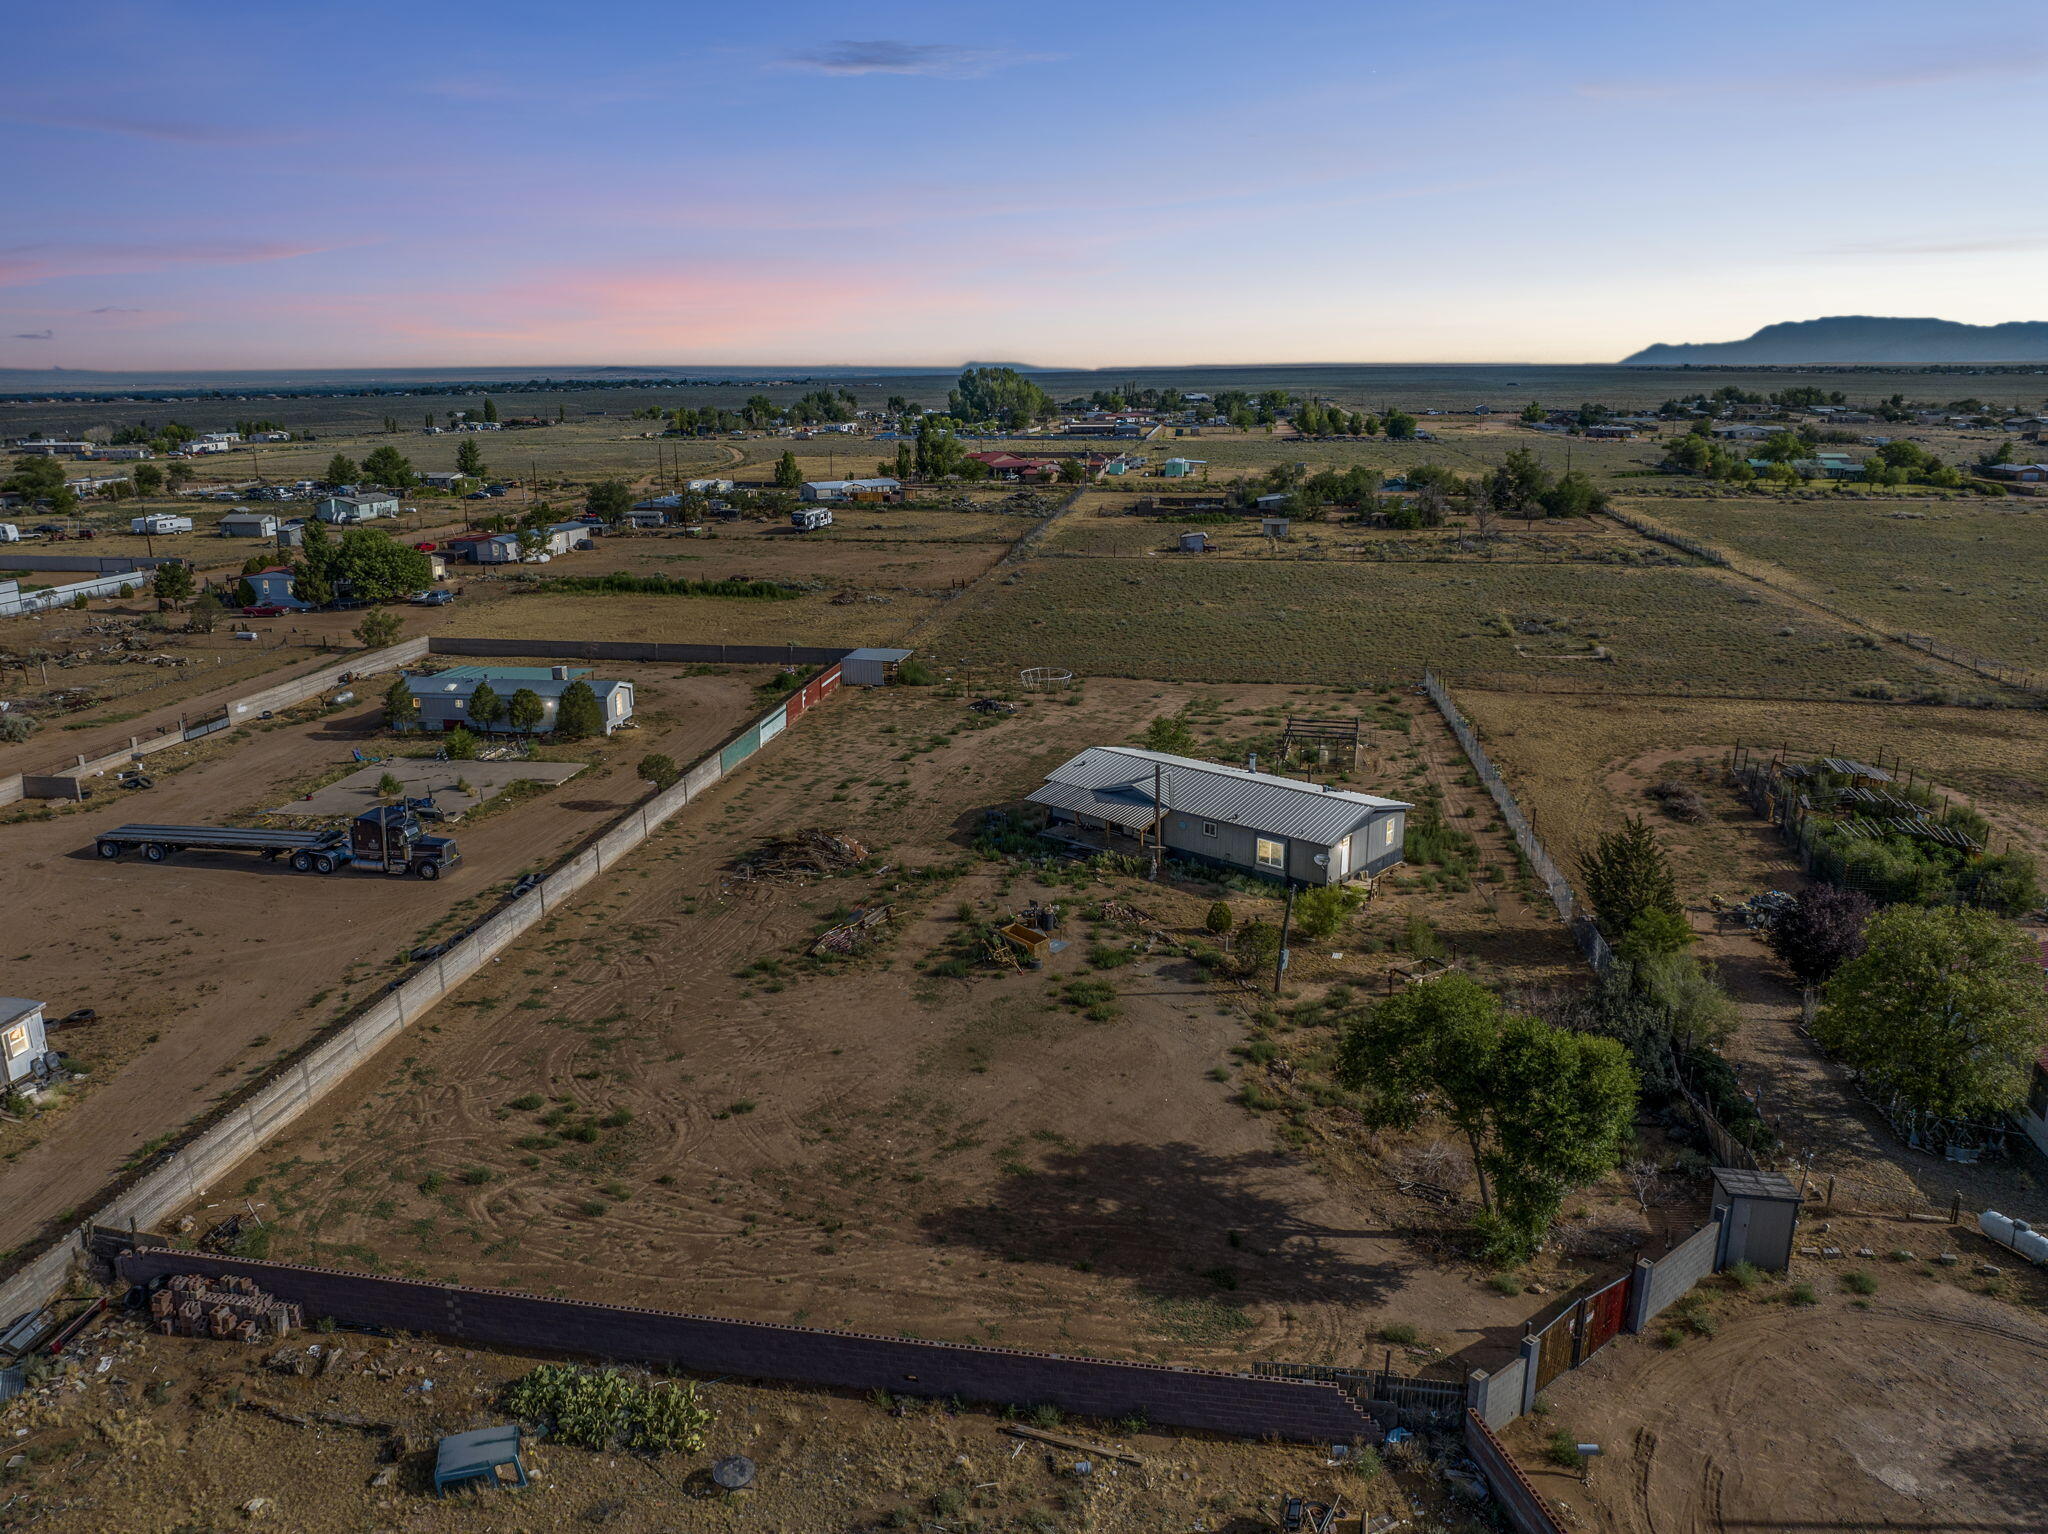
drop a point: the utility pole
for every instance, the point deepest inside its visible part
(1158, 817)
(1280, 958)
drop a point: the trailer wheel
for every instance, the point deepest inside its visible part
(302, 862)
(323, 864)
(429, 870)
(110, 849)
(156, 852)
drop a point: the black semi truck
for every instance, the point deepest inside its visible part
(388, 839)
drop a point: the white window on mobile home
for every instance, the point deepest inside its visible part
(1272, 854)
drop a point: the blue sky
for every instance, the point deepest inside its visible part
(227, 185)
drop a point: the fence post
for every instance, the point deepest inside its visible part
(1532, 1348)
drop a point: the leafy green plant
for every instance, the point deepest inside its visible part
(605, 1408)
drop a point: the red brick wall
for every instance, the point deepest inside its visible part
(1242, 1405)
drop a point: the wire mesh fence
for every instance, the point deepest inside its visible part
(1538, 857)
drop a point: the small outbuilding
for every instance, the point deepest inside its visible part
(872, 667)
(249, 524)
(1276, 527)
(1194, 543)
(367, 506)
(25, 1051)
(1759, 1214)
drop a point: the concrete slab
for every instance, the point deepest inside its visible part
(358, 791)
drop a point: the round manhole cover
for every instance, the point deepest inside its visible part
(735, 1473)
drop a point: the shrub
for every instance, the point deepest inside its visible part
(1220, 918)
(1859, 1282)
(1802, 1294)
(460, 745)
(603, 1408)
(528, 1103)
(1746, 1275)
(1366, 1462)
(1562, 1450)
(914, 673)
(1505, 1283)
(1399, 1332)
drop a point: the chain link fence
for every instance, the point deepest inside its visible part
(1540, 862)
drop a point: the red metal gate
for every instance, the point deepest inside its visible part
(1604, 1314)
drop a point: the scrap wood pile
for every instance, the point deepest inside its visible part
(812, 854)
(228, 1309)
(851, 936)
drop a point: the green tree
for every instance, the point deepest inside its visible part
(1170, 733)
(460, 745)
(659, 770)
(1944, 1011)
(341, 470)
(485, 707)
(1783, 447)
(1398, 425)
(205, 614)
(388, 786)
(379, 629)
(1532, 412)
(368, 564)
(578, 715)
(469, 459)
(174, 583)
(490, 408)
(1544, 1109)
(525, 711)
(401, 708)
(998, 394)
(1220, 918)
(787, 475)
(610, 499)
(149, 479)
(388, 466)
(1626, 875)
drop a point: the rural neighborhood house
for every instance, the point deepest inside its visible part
(1121, 798)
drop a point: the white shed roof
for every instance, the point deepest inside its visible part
(1114, 782)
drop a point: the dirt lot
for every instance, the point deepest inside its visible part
(203, 970)
(176, 1436)
(1915, 1406)
(663, 1101)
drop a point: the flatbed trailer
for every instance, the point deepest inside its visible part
(388, 839)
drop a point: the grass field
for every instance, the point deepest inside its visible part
(1190, 616)
(1969, 571)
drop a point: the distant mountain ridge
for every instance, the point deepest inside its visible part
(1863, 338)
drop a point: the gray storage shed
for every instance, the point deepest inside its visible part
(1759, 1213)
(871, 667)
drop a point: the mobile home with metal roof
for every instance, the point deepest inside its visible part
(1124, 799)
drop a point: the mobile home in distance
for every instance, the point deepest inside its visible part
(810, 519)
(157, 524)
(24, 1047)
(1122, 799)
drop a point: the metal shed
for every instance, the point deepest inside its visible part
(1275, 527)
(1759, 1215)
(1194, 543)
(871, 667)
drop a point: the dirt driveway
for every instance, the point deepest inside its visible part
(206, 968)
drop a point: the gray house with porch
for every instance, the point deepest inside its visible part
(1123, 799)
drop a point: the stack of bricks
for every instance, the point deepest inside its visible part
(227, 1309)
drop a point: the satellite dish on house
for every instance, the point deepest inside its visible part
(1322, 860)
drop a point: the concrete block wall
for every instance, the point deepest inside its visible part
(1671, 1277)
(298, 689)
(1211, 1400)
(1518, 1497)
(10, 788)
(188, 1171)
(1497, 1397)
(601, 649)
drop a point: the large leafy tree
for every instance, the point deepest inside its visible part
(610, 499)
(998, 394)
(341, 470)
(174, 583)
(1628, 877)
(469, 459)
(1945, 1011)
(787, 474)
(578, 715)
(1544, 1109)
(1821, 932)
(485, 708)
(388, 466)
(524, 710)
(369, 565)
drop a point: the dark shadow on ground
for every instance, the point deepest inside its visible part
(1174, 1219)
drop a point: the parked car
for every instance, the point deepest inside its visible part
(431, 598)
(583, 544)
(263, 610)
(478, 495)
(426, 548)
